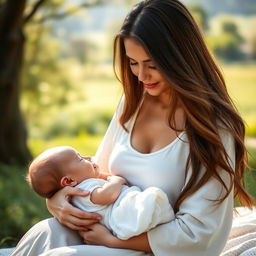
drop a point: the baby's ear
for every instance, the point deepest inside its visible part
(67, 181)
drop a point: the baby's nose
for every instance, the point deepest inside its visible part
(88, 158)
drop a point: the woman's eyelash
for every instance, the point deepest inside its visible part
(135, 63)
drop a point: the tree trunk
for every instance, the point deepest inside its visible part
(13, 133)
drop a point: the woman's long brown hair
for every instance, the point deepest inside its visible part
(171, 37)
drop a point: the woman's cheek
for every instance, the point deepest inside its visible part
(134, 71)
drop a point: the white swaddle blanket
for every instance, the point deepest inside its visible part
(133, 213)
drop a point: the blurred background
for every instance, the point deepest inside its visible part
(57, 85)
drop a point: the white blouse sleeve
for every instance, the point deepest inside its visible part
(105, 148)
(200, 228)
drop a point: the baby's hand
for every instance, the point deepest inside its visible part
(117, 179)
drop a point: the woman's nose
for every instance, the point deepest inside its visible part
(143, 74)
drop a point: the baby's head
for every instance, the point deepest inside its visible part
(58, 167)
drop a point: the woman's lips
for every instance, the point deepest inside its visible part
(150, 86)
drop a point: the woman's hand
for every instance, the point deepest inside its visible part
(59, 206)
(97, 234)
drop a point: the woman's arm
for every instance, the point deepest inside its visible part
(139, 243)
(59, 206)
(100, 235)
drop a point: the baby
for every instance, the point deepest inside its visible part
(109, 195)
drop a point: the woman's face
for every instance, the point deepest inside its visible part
(144, 68)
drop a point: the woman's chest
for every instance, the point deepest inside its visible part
(164, 168)
(151, 129)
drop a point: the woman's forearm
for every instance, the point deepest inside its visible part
(139, 243)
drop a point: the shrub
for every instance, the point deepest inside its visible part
(20, 206)
(74, 122)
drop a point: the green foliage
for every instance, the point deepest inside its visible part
(241, 80)
(45, 79)
(84, 143)
(200, 15)
(252, 158)
(250, 176)
(20, 207)
(252, 46)
(93, 122)
(227, 45)
(251, 127)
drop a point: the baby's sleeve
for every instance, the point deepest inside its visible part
(85, 203)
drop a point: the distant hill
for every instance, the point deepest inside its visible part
(213, 7)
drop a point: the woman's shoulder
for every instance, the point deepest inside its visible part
(120, 106)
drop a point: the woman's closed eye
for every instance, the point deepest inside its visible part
(133, 63)
(136, 63)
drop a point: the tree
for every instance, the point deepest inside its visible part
(14, 15)
(227, 45)
(200, 15)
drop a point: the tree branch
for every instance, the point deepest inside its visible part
(33, 11)
(59, 16)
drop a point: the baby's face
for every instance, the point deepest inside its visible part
(81, 168)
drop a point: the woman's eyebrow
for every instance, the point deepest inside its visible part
(148, 60)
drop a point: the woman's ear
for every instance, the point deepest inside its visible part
(67, 181)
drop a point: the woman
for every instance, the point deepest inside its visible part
(175, 128)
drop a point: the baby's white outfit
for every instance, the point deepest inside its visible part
(134, 212)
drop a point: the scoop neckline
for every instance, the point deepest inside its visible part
(157, 151)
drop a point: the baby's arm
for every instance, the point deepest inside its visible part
(109, 192)
(104, 175)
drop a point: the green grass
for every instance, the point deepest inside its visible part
(84, 143)
(20, 206)
(241, 83)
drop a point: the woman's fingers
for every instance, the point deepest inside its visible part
(69, 210)
(76, 219)
(96, 234)
(77, 223)
(59, 205)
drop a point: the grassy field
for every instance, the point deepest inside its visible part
(241, 82)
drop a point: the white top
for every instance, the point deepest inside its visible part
(199, 228)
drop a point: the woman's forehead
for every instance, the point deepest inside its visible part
(135, 51)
